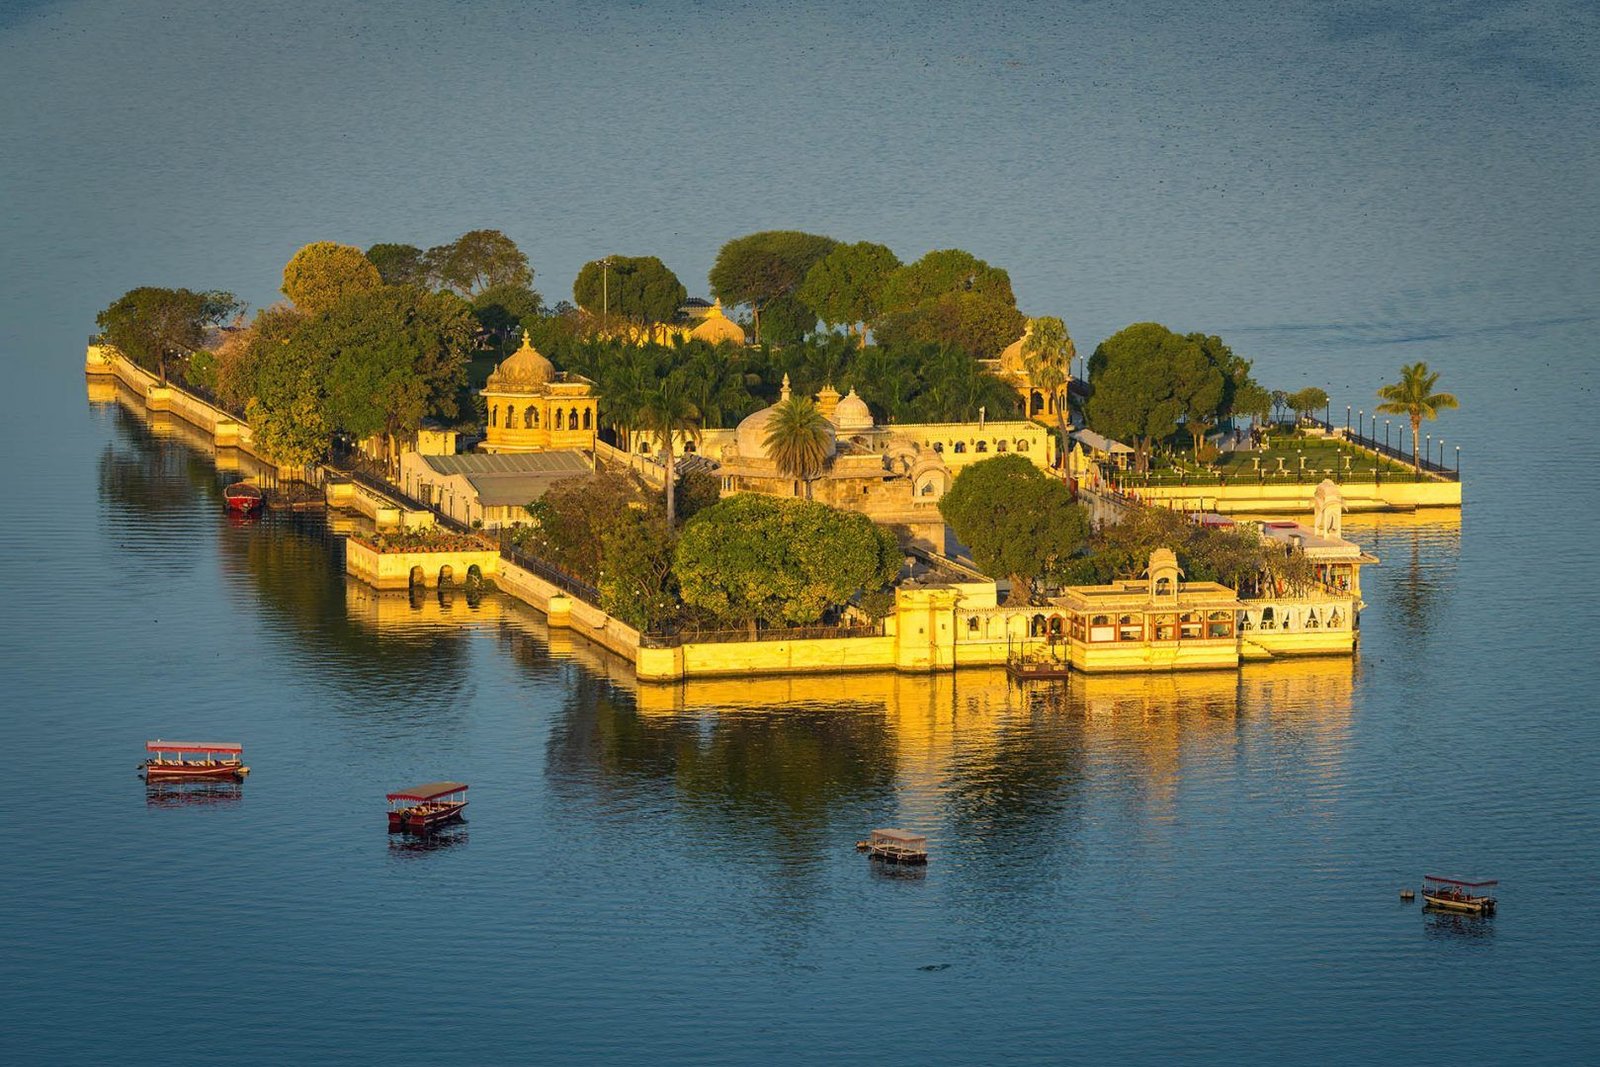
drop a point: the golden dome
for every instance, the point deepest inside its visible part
(1011, 361)
(523, 369)
(717, 328)
(852, 413)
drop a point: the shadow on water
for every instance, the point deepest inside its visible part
(181, 794)
(158, 476)
(1455, 926)
(405, 846)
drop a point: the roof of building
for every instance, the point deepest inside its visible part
(1313, 544)
(524, 369)
(852, 413)
(750, 439)
(552, 462)
(1100, 443)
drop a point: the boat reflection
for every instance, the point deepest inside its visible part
(1455, 925)
(179, 794)
(406, 845)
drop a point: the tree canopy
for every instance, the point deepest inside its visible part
(505, 310)
(798, 439)
(325, 272)
(399, 264)
(757, 558)
(478, 260)
(1143, 377)
(1017, 521)
(160, 328)
(1414, 397)
(762, 267)
(844, 287)
(1309, 401)
(634, 288)
(951, 297)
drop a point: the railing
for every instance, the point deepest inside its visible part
(211, 398)
(579, 588)
(674, 638)
(1383, 448)
(364, 471)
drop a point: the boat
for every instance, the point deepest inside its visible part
(175, 761)
(242, 496)
(423, 807)
(895, 846)
(1452, 894)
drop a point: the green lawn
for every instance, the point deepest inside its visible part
(1322, 457)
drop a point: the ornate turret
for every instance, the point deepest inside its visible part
(852, 414)
(827, 401)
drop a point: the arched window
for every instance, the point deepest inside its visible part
(1130, 628)
(572, 420)
(938, 446)
(1022, 446)
(558, 418)
(1219, 624)
(961, 446)
(983, 446)
(529, 414)
(1036, 626)
(494, 415)
(999, 446)
(535, 417)
(1163, 587)
(587, 415)
(1100, 629)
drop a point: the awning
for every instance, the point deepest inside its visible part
(1459, 882)
(193, 746)
(431, 791)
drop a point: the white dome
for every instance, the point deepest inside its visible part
(852, 413)
(751, 436)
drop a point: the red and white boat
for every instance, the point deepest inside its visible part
(176, 761)
(242, 496)
(423, 807)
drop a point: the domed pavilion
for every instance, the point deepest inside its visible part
(532, 407)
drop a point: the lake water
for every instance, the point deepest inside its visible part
(1200, 867)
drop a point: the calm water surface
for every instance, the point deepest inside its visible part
(1196, 868)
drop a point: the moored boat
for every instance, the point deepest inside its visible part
(895, 846)
(242, 496)
(423, 807)
(173, 761)
(1453, 894)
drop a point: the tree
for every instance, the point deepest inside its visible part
(754, 558)
(399, 264)
(799, 439)
(324, 272)
(951, 297)
(506, 310)
(760, 267)
(640, 289)
(664, 409)
(1413, 397)
(160, 328)
(1198, 386)
(1251, 400)
(697, 490)
(243, 353)
(478, 260)
(844, 287)
(1015, 519)
(571, 519)
(1047, 355)
(1136, 385)
(1309, 401)
(394, 356)
(636, 582)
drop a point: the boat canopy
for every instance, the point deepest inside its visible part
(1459, 882)
(194, 746)
(431, 791)
(904, 838)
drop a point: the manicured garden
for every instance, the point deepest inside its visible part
(1285, 457)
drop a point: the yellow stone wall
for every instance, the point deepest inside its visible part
(392, 570)
(542, 436)
(1288, 499)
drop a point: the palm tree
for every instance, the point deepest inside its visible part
(1413, 397)
(666, 411)
(1047, 354)
(798, 438)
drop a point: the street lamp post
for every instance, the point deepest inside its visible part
(605, 291)
(1458, 463)
(1347, 420)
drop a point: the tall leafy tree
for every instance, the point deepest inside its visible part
(478, 260)
(394, 356)
(504, 311)
(1309, 401)
(759, 268)
(325, 272)
(799, 439)
(635, 288)
(1136, 385)
(1047, 355)
(1197, 385)
(951, 297)
(1414, 396)
(844, 288)
(1016, 520)
(159, 329)
(665, 409)
(754, 558)
(399, 264)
